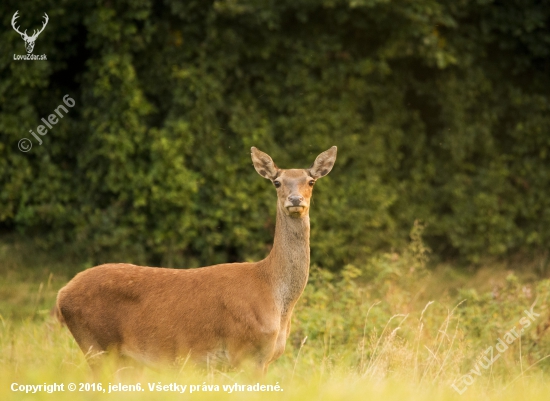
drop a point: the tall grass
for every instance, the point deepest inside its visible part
(391, 329)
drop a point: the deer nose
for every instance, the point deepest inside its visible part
(295, 199)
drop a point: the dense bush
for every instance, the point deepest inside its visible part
(439, 110)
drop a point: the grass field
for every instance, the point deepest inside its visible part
(391, 330)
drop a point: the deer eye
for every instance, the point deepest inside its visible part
(277, 184)
(311, 183)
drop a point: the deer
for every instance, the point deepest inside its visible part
(226, 313)
(29, 40)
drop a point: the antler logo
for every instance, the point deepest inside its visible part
(29, 40)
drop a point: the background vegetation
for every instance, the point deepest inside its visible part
(440, 111)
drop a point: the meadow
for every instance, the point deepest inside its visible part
(396, 328)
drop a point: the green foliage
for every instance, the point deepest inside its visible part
(379, 321)
(439, 110)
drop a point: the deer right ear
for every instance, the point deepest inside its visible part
(263, 164)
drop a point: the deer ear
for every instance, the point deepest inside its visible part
(263, 164)
(323, 163)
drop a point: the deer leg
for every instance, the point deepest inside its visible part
(261, 369)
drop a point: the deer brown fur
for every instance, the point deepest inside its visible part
(228, 312)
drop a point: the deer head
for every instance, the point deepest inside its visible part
(29, 40)
(294, 186)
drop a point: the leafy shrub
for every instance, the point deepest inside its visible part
(439, 109)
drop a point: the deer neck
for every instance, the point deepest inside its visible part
(287, 265)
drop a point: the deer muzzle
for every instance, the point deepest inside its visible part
(295, 205)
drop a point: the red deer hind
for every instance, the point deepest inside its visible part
(228, 312)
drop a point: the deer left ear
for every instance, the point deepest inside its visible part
(323, 163)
